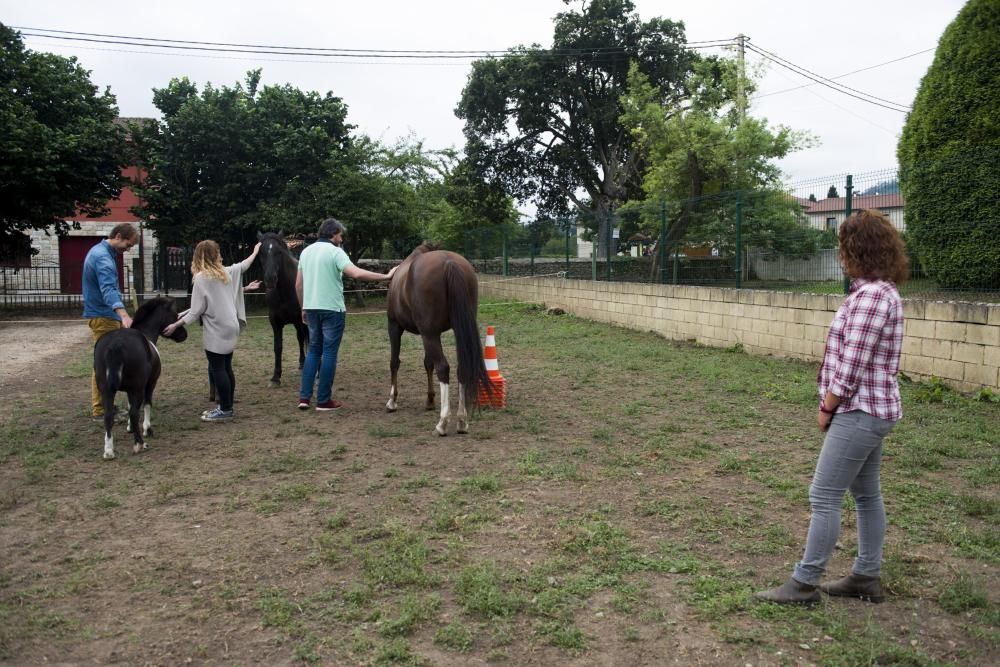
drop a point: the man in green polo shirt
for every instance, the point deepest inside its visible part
(320, 286)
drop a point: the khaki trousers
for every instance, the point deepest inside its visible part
(98, 327)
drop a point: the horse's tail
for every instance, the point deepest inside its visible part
(114, 365)
(462, 301)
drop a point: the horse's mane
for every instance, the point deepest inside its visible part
(147, 309)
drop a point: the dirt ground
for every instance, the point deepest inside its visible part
(292, 537)
(23, 345)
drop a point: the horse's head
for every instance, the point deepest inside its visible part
(154, 316)
(273, 249)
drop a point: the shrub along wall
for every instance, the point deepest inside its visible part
(957, 342)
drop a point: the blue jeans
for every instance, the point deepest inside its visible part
(326, 328)
(850, 459)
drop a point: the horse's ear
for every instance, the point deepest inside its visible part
(281, 235)
(259, 236)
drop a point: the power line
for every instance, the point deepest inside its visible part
(325, 52)
(841, 76)
(824, 83)
(310, 48)
(839, 87)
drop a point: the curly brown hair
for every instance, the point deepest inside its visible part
(871, 248)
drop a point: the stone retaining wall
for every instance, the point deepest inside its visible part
(957, 342)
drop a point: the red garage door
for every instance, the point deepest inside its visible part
(72, 251)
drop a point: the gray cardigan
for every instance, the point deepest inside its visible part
(220, 308)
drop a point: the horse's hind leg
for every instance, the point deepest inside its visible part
(434, 353)
(462, 415)
(147, 409)
(276, 330)
(302, 333)
(429, 368)
(395, 336)
(109, 422)
(136, 400)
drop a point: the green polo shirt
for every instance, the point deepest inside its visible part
(322, 265)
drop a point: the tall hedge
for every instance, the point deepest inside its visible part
(949, 154)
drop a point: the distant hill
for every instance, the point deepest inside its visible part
(890, 187)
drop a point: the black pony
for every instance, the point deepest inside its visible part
(433, 291)
(283, 306)
(127, 360)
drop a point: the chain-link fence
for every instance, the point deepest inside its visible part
(781, 239)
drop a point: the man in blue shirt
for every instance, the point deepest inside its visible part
(102, 301)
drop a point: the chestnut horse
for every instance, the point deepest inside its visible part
(433, 291)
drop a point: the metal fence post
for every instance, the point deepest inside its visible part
(739, 239)
(610, 237)
(164, 251)
(504, 240)
(531, 251)
(663, 242)
(849, 188)
(593, 256)
(567, 248)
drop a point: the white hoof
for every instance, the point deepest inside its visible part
(443, 432)
(108, 456)
(462, 427)
(390, 406)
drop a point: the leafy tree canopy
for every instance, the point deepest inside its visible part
(700, 154)
(949, 151)
(832, 192)
(544, 124)
(229, 161)
(60, 150)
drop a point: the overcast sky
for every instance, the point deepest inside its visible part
(393, 99)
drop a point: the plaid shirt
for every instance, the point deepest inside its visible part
(861, 359)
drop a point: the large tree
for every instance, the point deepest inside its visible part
(60, 151)
(701, 153)
(230, 161)
(949, 152)
(544, 123)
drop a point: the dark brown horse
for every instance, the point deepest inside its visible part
(433, 291)
(282, 302)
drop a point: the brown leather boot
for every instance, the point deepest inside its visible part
(790, 592)
(853, 585)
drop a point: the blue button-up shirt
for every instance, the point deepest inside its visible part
(100, 282)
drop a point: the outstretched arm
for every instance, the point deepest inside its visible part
(356, 273)
(249, 260)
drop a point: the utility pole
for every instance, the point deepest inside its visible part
(741, 101)
(741, 97)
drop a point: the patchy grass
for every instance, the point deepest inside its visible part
(623, 508)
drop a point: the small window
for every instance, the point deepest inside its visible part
(15, 251)
(831, 224)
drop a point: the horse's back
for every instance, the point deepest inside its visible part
(419, 294)
(130, 348)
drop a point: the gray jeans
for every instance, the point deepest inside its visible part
(850, 459)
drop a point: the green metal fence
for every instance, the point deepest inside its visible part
(780, 239)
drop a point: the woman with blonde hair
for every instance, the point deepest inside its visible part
(858, 405)
(216, 301)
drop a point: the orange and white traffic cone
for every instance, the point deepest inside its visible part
(498, 397)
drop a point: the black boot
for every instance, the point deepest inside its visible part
(868, 589)
(790, 592)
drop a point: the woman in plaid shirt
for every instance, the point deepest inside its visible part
(858, 406)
